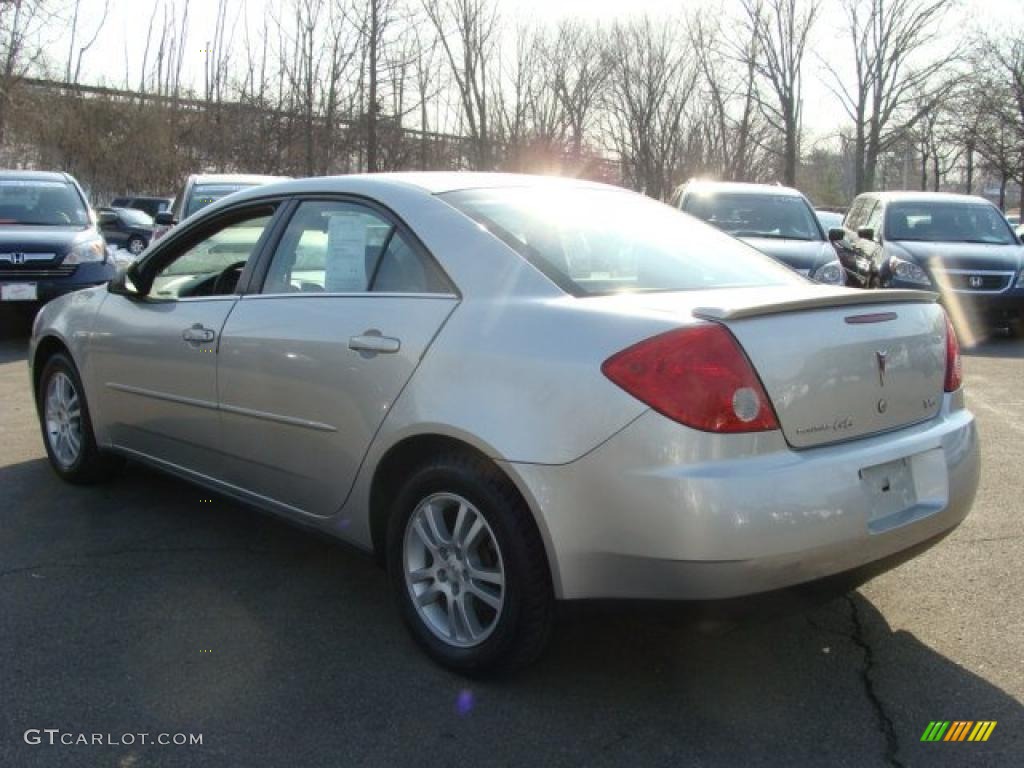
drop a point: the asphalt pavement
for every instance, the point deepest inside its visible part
(147, 606)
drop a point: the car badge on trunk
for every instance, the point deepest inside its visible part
(17, 258)
(883, 360)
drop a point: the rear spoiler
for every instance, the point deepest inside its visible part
(802, 302)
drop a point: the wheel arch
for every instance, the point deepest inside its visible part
(412, 449)
(46, 348)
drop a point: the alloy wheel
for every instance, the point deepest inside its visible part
(63, 419)
(453, 570)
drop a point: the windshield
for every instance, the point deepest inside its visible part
(596, 241)
(830, 220)
(41, 203)
(135, 217)
(941, 222)
(204, 194)
(755, 215)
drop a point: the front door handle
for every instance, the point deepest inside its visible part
(197, 334)
(373, 341)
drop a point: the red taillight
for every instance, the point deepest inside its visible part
(697, 376)
(954, 366)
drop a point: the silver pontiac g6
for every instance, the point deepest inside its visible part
(514, 390)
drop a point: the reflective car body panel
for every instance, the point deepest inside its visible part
(277, 407)
(298, 407)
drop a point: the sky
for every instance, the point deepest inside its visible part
(127, 22)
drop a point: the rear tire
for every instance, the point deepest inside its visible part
(445, 573)
(66, 426)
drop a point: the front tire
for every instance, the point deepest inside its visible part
(468, 567)
(136, 245)
(66, 425)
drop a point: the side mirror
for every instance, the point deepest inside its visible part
(866, 233)
(836, 234)
(107, 218)
(164, 219)
(123, 285)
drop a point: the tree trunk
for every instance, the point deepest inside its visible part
(371, 113)
(970, 169)
(792, 152)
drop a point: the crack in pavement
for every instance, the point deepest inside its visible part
(885, 724)
(135, 551)
(989, 540)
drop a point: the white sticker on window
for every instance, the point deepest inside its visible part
(346, 254)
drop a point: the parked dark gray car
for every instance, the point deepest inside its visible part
(126, 228)
(958, 245)
(778, 221)
(49, 242)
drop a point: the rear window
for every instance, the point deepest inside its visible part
(203, 195)
(596, 241)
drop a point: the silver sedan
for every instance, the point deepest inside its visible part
(514, 390)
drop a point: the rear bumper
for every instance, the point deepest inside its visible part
(663, 512)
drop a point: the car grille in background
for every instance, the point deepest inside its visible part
(30, 273)
(985, 282)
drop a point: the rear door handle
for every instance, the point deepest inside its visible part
(374, 342)
(197, 334)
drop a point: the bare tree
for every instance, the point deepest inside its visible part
(73, 70)
(20, 47)
(891, 89)
(577, 67)
(468, 33)
(652, 81)
(731, 129)
(781, 30)
(1005, 56)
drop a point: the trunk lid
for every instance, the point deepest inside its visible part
(820, 352)
(843, 372)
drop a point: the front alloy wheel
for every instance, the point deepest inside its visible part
(66, 426)
(454, 570)
(63, 420)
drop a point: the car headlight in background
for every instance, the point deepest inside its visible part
(831, 273)
(94, 250)
(908, 271)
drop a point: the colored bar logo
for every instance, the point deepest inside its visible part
(958, 730)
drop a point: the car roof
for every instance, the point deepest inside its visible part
(439, 182)
(427, 182)
(35, 175)
(910, 196)
(234, 178)
(740, 188)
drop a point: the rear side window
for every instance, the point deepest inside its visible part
(342, 247)
(856, 214)
(593, 241)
